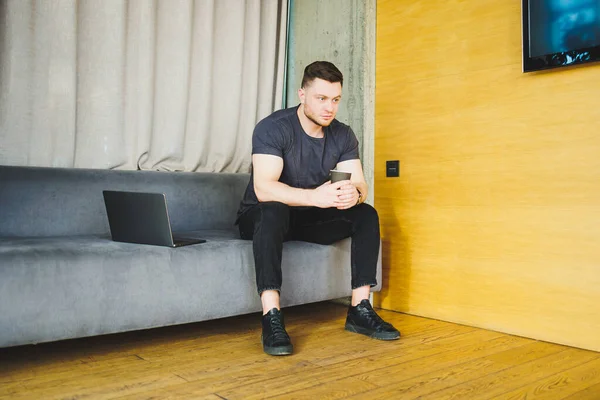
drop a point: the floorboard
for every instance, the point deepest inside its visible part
(223, 359)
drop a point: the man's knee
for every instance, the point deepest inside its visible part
(273, 209)
(368, 213)
(274, 213)
(367, 220)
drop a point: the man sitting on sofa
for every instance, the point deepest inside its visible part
(290, 197)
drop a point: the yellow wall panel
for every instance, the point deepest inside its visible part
(495, 218)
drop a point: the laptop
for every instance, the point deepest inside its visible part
(142, 218)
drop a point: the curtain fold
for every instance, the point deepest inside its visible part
(172, 85)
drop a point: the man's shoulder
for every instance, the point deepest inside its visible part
(275, 131)
(278, 119)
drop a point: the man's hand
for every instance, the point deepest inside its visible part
(327, 195)
(347, 195)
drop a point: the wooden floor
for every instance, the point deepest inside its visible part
(223, 360)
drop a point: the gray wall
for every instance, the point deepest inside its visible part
(343, 32)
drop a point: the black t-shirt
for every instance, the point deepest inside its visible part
(306, 160)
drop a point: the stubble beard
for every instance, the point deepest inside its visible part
(315, 121)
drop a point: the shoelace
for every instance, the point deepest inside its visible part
(278, 330)
(372, 316)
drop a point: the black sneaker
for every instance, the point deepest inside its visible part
(275, 339)
(364, 320)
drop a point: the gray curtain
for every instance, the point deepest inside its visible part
(138, 84)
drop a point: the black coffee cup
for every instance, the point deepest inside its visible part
(337, 176)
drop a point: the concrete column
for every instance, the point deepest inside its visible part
(343, 32)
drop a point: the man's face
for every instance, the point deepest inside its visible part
(321, 100)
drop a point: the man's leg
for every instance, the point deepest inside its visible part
(329, 225)
(361, 223)
(267, 224)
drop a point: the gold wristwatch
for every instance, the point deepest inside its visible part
(359, 197)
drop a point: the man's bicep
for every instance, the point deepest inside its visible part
(266, 168)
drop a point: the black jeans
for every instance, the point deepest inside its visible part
(269, 224)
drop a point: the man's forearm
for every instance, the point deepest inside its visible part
(277, 191)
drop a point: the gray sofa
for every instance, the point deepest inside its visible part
(61, 276)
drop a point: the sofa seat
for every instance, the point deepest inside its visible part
(85, 285)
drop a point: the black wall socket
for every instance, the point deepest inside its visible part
(392, 168)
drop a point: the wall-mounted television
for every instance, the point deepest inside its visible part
(557, 33)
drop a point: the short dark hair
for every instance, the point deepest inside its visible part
(322, 70)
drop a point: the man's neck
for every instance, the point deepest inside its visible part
(310, 128)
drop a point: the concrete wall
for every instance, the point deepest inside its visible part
(343, 32)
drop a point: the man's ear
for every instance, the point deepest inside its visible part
(301, 95)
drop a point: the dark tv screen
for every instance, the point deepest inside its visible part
(558, 33)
